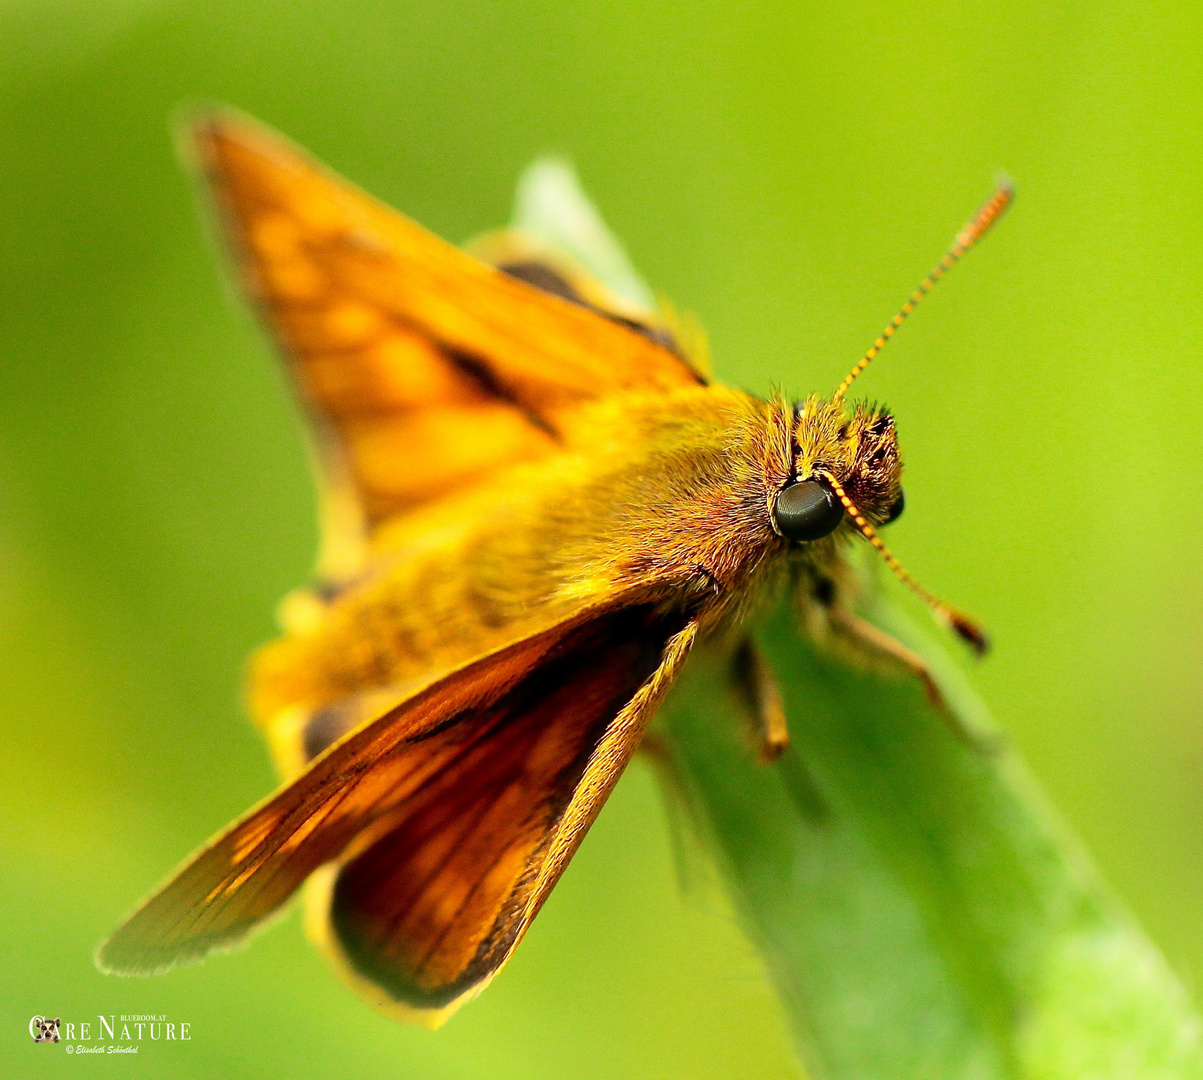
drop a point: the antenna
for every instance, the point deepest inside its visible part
(960, 623)
(966, 239)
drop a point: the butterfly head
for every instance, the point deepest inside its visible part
(839, 451)
(848, 472)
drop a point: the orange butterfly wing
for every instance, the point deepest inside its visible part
(436, 829)
(421, 367)
(452, 815)
(429, 911)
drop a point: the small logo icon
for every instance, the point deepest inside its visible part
(44, 1030)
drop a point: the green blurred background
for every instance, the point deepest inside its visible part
(788, 171)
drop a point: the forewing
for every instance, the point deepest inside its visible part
(546, 749)
(422, 367)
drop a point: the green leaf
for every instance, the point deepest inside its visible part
(919, 908)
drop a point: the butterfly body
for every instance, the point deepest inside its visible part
(534, 505)
(664, 498)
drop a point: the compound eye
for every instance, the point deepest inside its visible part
(807, 511)
(896, 508)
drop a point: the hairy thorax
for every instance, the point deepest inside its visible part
(665, 496)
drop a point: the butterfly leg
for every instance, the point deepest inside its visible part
(685, 818)
(863, 635)
(656, 749)
(756, 681)
(873, 641)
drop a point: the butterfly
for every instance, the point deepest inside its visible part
(535, 501)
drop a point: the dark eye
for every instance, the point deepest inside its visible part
(807, 511)
(896, 508)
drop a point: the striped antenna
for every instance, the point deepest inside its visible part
(966, 239)
(957, 621)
